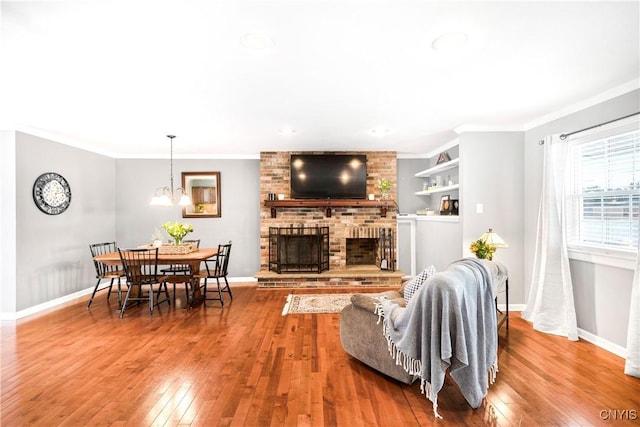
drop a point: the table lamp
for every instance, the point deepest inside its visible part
(492, 238)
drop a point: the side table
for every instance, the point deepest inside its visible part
(504, 316)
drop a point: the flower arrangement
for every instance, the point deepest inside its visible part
(384, 185)
(482, 249)
(177, 231)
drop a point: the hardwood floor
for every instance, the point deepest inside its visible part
(245, 364)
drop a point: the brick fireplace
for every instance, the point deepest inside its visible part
(370, 246)
(361, 223)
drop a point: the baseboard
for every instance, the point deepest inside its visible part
(36, 309)
(45, 305)
(512, 307)
(587, 336)
(602, 343)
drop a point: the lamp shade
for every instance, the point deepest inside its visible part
(494, 239)
(161, 197)
(163, 200)
(165, 196)
(185, 200)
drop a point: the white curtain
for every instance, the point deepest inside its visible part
(550, 305)
(632, 365)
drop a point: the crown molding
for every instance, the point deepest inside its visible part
(589, 102)
(482, 128)
(412, 156)
(51, 136)
(216, 156)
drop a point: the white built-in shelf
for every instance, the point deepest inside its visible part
(438, 168)
(434, 218)
(438, 190)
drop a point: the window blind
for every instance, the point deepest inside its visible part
(604, 192)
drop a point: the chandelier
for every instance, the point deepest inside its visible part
(165, 196)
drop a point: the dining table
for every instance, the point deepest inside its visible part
(193, 259)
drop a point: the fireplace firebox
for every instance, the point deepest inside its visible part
(298, 249)
(367, 246)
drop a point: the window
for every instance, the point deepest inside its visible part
(603, 201)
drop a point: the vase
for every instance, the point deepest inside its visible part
(385, 195)
(177, 241)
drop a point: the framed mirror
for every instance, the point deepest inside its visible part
(204, 190)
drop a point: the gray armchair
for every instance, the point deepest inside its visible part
(361, 334)
(362, 337)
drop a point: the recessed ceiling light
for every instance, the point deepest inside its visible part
(257, 42)
(450, 41)
(380, 131)
(286, 131)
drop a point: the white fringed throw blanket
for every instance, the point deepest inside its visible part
(450, 323)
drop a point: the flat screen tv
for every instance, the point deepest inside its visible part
(328, 176)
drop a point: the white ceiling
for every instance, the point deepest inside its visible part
(117, 76)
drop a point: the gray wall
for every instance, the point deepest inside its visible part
(491, 174)
(601, 293)
(52, 251)
(408, 184)
(109, 202)
(437, 243)
(137, 179)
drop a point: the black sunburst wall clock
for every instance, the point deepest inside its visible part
(51, 193)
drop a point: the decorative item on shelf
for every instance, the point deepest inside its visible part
(455, 206)
(164, 196)
(445, 205)
(443, 158)
(384, 185)
(427, 212)
(487, 244)
(177, 231)
(157, 238)
(449, 206)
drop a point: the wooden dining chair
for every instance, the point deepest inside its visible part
(180, 273)
(141, 269)
(217, 268)
(104, 271)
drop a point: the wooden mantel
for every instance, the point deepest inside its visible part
(328, 204)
